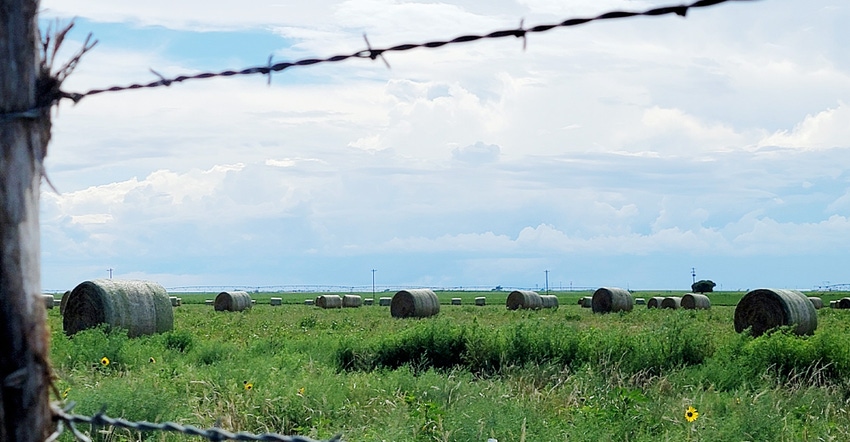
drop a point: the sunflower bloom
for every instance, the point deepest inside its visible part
(248, 386)
(301, 392)
(691, 414)
(104, 361)
(153, 361)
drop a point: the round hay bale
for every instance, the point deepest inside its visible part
(765, 309)
(350, 301)
(587, 302)
(62, 302)
(654, 302)
(309, 302)
(179, 302)
(580, 301)
(833, 304)
(57, 302)
(457, 301)
(329, 301)
(232, 301)
(208, 302)
(671, 302)
(48, 301)
(524, 299)
(640, 301)
(549, 301)
(368, 301)
(695, 301)
(480, 300)
(611, 300)
(173, 300)
(140, 307)
(385, 301)
(414, 303)
(275, 301)
(843, 303)
(816, 302)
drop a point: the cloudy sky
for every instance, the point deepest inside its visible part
(620, 153)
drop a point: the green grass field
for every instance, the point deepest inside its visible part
(467, 374)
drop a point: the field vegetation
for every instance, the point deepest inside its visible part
(468, 374)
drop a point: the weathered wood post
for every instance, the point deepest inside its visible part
(24, 132)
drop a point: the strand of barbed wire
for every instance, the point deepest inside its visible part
(64, 419)
(374, 53)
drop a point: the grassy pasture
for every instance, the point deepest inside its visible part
(467, 374)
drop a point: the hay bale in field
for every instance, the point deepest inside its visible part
(385, 301)
(140, 307)
(309, 302)
(179, 302)
(640, 301)
(208, 302)
(350, 301)
(816, 302)
(611, 300)
(833, 304)
(48, 301)
(843, 303)
(232, 301)
(457, 301)
(329, 301)
(654, 302)
(549, 301)
(368, 301)
(587, 302)
(275, 301)
(480, 300)
(671, 302)
(173, 300)
(524, 299)
(765, 309)
(62, 302)
(57, 302)
(414, 303)
(695, 301)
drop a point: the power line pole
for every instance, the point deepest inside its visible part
(373, 284)
(693, 275)
(110, 274)
(25, 372)
(547, 281)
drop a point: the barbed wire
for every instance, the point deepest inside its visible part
(64, 419)
(374, 53)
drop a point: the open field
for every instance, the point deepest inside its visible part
(468, 373)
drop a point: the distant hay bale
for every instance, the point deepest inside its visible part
(480, 300)
(48, 301)
(62, 302)
(414, 303)
(208, 302)
(549, 301)
(765, 309)
(329, 301)
(57, 302)
(833, 304)
(275, 301)
(179, 302)
(816, 302)
(654, 302)
(385, 301)
(640, 301)
(587, 302)
(580, 301)
(671, 302)
(524, 299)
(695, 301)
(309, 302)
(351, 301)
(232, 301)
(368, 301)
(173, 300)
(457, 301)
(611, 300)
(140, 307)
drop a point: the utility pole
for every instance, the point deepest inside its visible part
(110, 276)
(547, 281)
(693, 275)
(373, 284)
(25, 372)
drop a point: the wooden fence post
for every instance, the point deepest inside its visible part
(24, 133)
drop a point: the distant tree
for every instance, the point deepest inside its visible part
(703, 286)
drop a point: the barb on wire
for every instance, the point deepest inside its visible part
(372, 53)
(65, 419)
